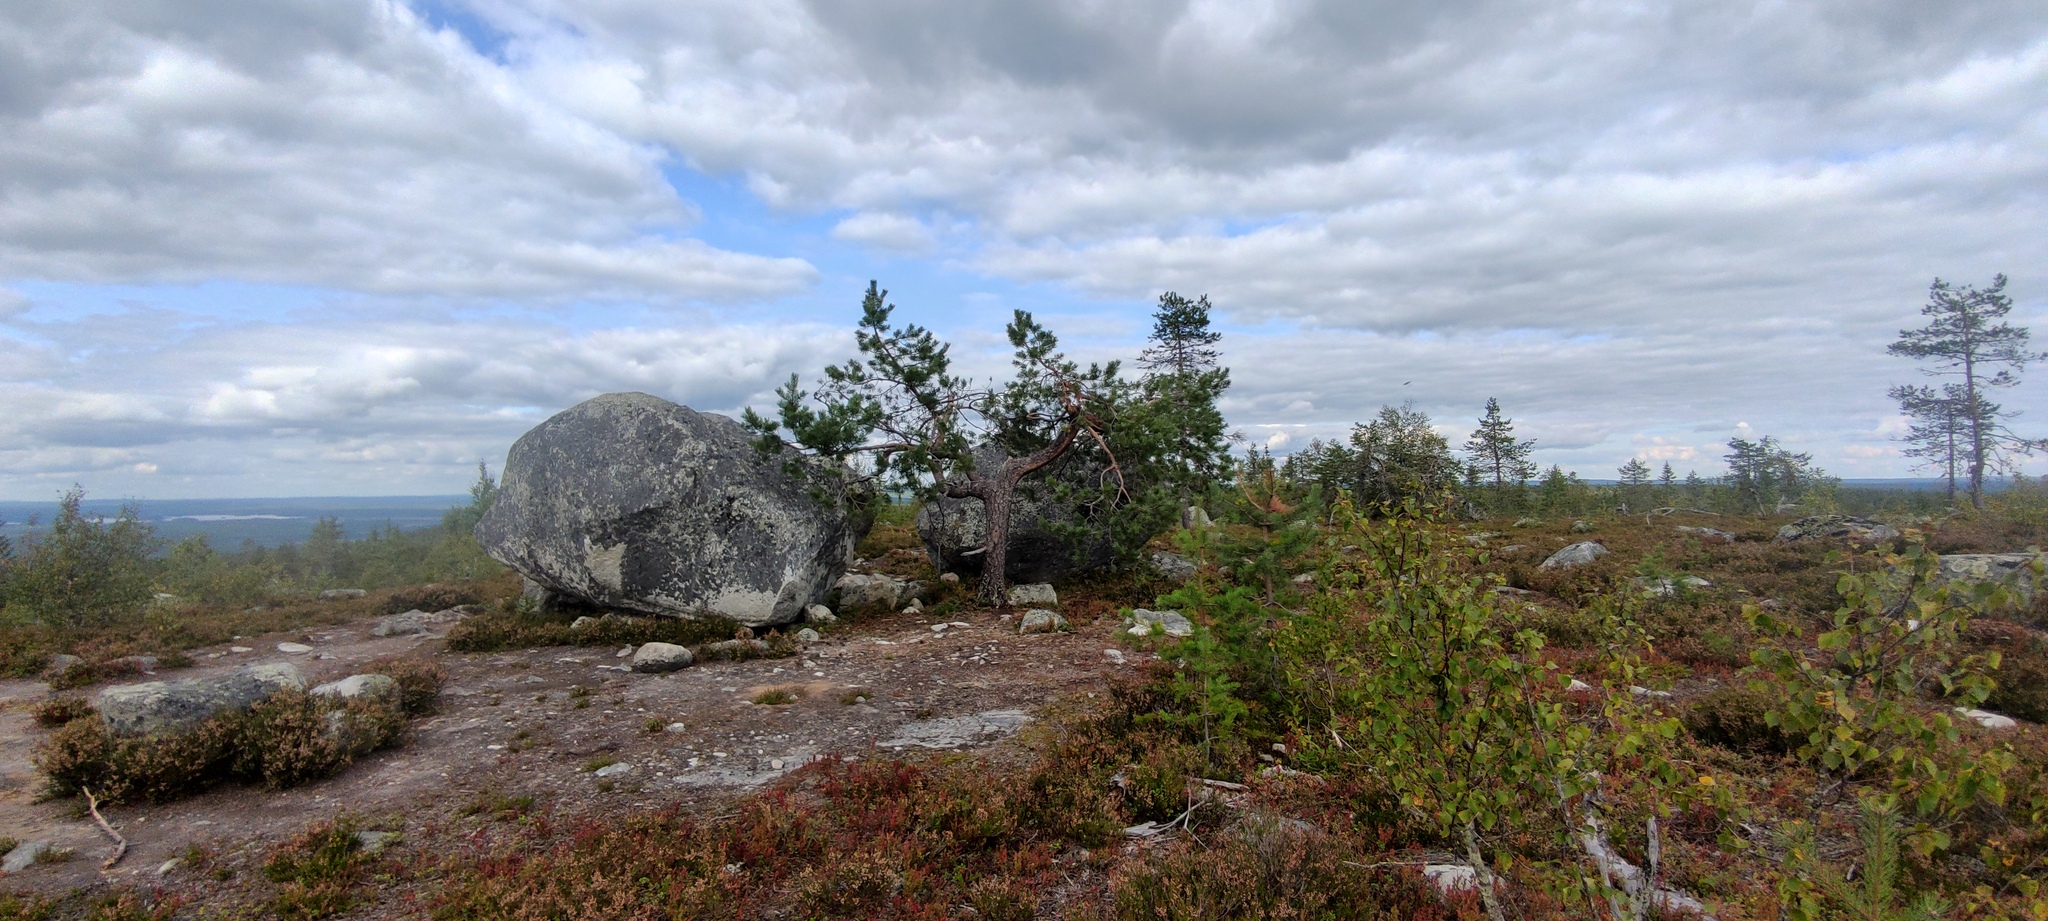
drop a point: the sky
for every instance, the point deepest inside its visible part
(352, 247)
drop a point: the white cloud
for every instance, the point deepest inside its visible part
(888, 232)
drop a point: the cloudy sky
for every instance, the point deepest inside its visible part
(334, 247)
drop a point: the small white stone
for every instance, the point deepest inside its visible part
(674, 727)
(1988, 719)
(240, 649)
(293, 649)
(776, 764)
(1114, 655)
(614, 770)
(1576, 687)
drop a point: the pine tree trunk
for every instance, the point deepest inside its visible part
(998, 493)
(1976, 437)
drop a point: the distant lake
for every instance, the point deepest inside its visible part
(267, 522)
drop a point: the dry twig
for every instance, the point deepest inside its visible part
(120, 844)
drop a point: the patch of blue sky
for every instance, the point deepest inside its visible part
(460, 19)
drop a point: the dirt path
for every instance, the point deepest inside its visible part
(534, 723)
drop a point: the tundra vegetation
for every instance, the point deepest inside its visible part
(1392, 703)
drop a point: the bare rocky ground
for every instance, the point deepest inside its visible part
(543, 722)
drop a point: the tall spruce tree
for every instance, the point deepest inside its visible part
(1182, 384)
(1494, 449)
(1966, 338)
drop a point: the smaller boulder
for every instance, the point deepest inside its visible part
(24, 856)
(1988, 719)
(1707, 533)
(1579, 554)
(1173, 566)
(294, 649)
(1582, 527)
(61, 663)
(1193, 518)
(341, 594)
(583, 622)
(873, 593)
(1837, 527)
(382, 689)
(168, 706)
(1171, 623)
(808, 635)
(657, 658)
(1665, 588)
(950, 578)
(820, 614)
(1034, 595)
(410, 623)
(1039, 620)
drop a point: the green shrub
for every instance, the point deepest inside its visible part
(85, 571)
(318, 871)
(1736, 718)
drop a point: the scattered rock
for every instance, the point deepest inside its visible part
(410, 623)
(378, 688)
(1837, 527)
(1035, 595)
(873, 593)
(166, 706)
(1641, 691)
(1578, 687)
(915, 607)
(1664, 588)
(61, 663)
(1579, 554)
(628, 501)
(819, 614)
(2016, 570)
(1039, 620)
(1173, 566)
(950, 578)
(583, 622)
(240, 649)
(294, 649)
(1172, 623)
(625, 652)
(338, 594)
(956, 731)
(1707, 533)
(1451, 877)
(1194, 518)
(808, 635)
(656, 658)
(613, 770)
(24, 856)
(1305, 578)
(734, 649)
(370, 842)
(1582, 527)
(1988, 719)
(1114, 655)
(1527, 522)
(169, 866)
(955, 531)
(1479, 539)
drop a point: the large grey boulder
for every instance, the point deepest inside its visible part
(1578, 554)
(1837, 527)
(954, 530)
(873, 593)
(631, 502)
(2016, 570)
(171, 706)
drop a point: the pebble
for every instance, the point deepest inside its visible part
(614, 770)
(1114, 655)
(240, 649)
(776, 764)
(293, 649)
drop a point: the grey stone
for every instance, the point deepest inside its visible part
(1988, 719)
(613, 770)
(381, 689)
(24, 856)
(1480, 539)
(957, 731)
(1304, 578)
(1173, 566)
(808, 635)
(370, 842)
(1582, 527)
(169, 706)
(955, 531)
(2016, 570)
(582, 622)
(410, 623)
(61, 663)
(1171, 623)
(819, 614)
(872, 593)
(1707, 533)
(1194, 518)
(1034, 595)
(337, 594)
(294, 649)
(1579, 554)
(655, 658)
(1527, 522)
(950, 578)
(1664, 588)
(631, 502)
(1039, 620)
(1837, 527)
